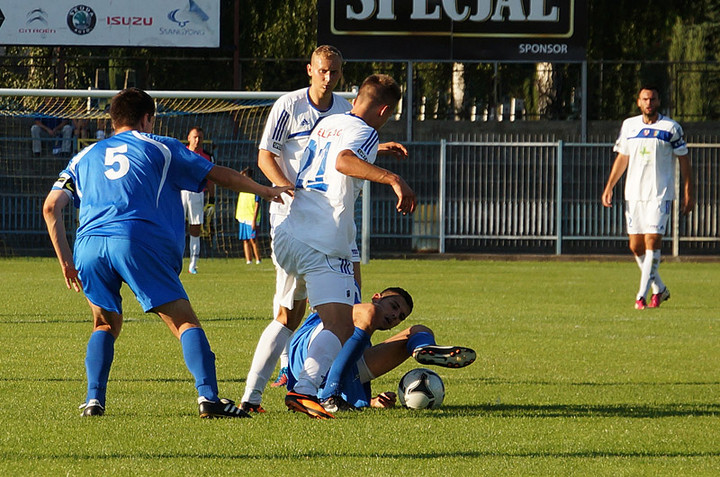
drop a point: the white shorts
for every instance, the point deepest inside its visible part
(193, 203)
(647, 216)
(288, 289)
(327, 279)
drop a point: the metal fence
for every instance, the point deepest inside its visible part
(473, 197)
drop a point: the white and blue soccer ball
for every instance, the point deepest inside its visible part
(421, 388)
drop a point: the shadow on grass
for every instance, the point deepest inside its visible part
(32, 319)
(335, 454)
(639, 411)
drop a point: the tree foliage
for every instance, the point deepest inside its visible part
(629, 43)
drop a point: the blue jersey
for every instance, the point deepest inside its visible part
(352, 389)
(128, 186)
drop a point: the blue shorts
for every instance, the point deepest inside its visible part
(104, 263)
(245, 232)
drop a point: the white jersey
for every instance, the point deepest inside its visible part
(652, 149)
(287, 131)
(322, 215)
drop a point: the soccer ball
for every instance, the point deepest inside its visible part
(421, 388)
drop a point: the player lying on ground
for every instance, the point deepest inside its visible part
(347, 385)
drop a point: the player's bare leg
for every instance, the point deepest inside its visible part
(199, 358)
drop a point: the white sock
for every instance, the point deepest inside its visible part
(284, 356)
(271, 343)
(194, 251)
(321, 353)
(645, 274)
(639, 259)
(657, 284)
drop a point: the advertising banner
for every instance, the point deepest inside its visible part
(455, 30)
(167, 23)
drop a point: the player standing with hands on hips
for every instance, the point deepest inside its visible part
(646, 147)
(339, 156)
(132, 230)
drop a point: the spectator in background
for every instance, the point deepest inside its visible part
(194, 202)
(247, 214)
(50, 127)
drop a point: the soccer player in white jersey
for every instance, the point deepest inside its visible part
(194, 202)
(339, 155)
(132, 230)
(647, 147)
(281, 148)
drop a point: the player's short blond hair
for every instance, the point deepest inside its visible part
(326, 51)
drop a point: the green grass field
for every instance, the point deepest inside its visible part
(570, 379)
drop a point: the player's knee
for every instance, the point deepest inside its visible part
(415, 329)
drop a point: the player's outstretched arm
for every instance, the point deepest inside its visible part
(618, 169)
(53, 214)
(232, 179)
(349, 164)
(394, 149)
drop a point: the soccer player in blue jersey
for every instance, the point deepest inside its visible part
(347, 386)
(340, 154)
(647, 147)
(131, 229)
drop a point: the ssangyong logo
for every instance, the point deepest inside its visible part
(81, 19)
(192, 13)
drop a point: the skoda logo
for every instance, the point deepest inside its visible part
(81, 19)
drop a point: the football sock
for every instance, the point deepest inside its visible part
(98, 359)
(657, 284)
(285, 355)
(321, 353)
(656, 288)
(270, 345)
(418, 340)
(194, 251)
(350, 353)
(646, 276)
(200, 361)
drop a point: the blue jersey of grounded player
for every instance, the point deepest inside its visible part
(353, 390)
(128, 186)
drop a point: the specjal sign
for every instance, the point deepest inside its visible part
(456, 30)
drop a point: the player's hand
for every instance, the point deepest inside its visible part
(406, 197)
(688, 205)
(395, 149)
(607, 198)
(209, 211)
(384, 400)
(274, 194)
(72, 281)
